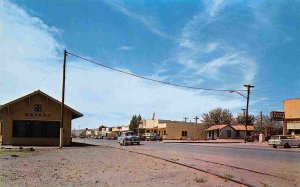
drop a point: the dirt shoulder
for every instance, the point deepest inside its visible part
(98, 166)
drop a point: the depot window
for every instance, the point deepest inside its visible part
(35, 129)
(183, 133)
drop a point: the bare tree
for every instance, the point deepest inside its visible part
(241, 119)
(261, 123)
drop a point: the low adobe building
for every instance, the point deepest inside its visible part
(225, 131)
(291, 108)
(34, 119)
(173, 130)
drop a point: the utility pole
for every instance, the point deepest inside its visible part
(247, 109)
(196, 118)
(61, 130)
(244, 115)
(261, 120)
(244, 111)
(185, 118)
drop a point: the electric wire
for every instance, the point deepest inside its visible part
(154, 80)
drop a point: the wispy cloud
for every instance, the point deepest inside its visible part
(212, 59)
(213, 7)
(125, 48)
(147, 21)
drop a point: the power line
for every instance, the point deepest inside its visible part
(154, 80)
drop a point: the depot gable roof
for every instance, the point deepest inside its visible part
(75, 114)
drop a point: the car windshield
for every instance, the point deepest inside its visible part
(130, 134)
(275, 137)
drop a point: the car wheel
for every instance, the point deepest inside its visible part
(274, 146)
(138, 143)
(299, 145)
(286, 145)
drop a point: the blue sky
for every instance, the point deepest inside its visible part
(214, 44)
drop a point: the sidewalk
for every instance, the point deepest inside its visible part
(218, 141)
(235, 144)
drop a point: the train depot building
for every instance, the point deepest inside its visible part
(291, 108)
(34, 119)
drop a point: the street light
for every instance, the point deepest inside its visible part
(248, 86)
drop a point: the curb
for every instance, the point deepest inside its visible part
(203, 142)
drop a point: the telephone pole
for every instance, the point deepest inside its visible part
(196, 118)
(185, 118)
(248, 86)
(261, 120)
(243, 109)
(61, 130)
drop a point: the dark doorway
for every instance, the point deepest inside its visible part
(228, 133)
(36, 129)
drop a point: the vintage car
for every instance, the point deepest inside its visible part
(151, 136)
(284, 140)
(128, 138)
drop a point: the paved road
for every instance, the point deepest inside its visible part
(291, 156)
(282, 167)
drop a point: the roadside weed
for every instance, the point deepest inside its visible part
(229, 176)
(200, 180)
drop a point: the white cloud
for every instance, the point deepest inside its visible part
(147, 21)
(32, 59)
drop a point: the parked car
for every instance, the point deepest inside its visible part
(128, 138)
(151, 136)
(284, 140)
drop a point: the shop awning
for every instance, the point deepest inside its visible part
(293, 126)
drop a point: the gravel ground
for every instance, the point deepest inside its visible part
(285, 166)
(98, 166)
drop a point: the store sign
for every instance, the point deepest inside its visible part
(277, 116)
(31, 114)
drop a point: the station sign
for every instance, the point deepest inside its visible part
(277, 116)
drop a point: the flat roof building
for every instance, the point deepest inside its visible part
(34, 119)
(173, 130)
(291, 108)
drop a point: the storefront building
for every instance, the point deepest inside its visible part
(225, 131)
(34, 119)
(291, 125)
(173, 130)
